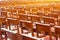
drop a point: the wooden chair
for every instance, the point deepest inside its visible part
(3, 23)
(57, 33)
(28, 26)
(13, 22)
(43, 28)
(3, 18)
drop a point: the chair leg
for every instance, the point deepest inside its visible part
(50, 35)
(17, 28)
(5, 36)
(56, 36)
(21, 30)
(1, 36)
(32, 33)
(1, 33)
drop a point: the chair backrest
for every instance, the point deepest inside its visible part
(23, 17)
(12, 20)
(13, 11)
(3, 9)
(35, 18)
(49, 20)
(43, 27)
(3, 22)
(27, 25)
(4, 13)
(2, 19)
(21, 10)
(40, 14)
(55, 15)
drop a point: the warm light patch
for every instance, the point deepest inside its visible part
(1, 0)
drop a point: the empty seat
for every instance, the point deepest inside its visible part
(42, 29)
(13, 24)
(27, 27)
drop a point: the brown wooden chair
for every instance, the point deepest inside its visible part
(13, 22)
(28, 26)
(3, 18)
(43, 28)
(57, 33)
(3, 23)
